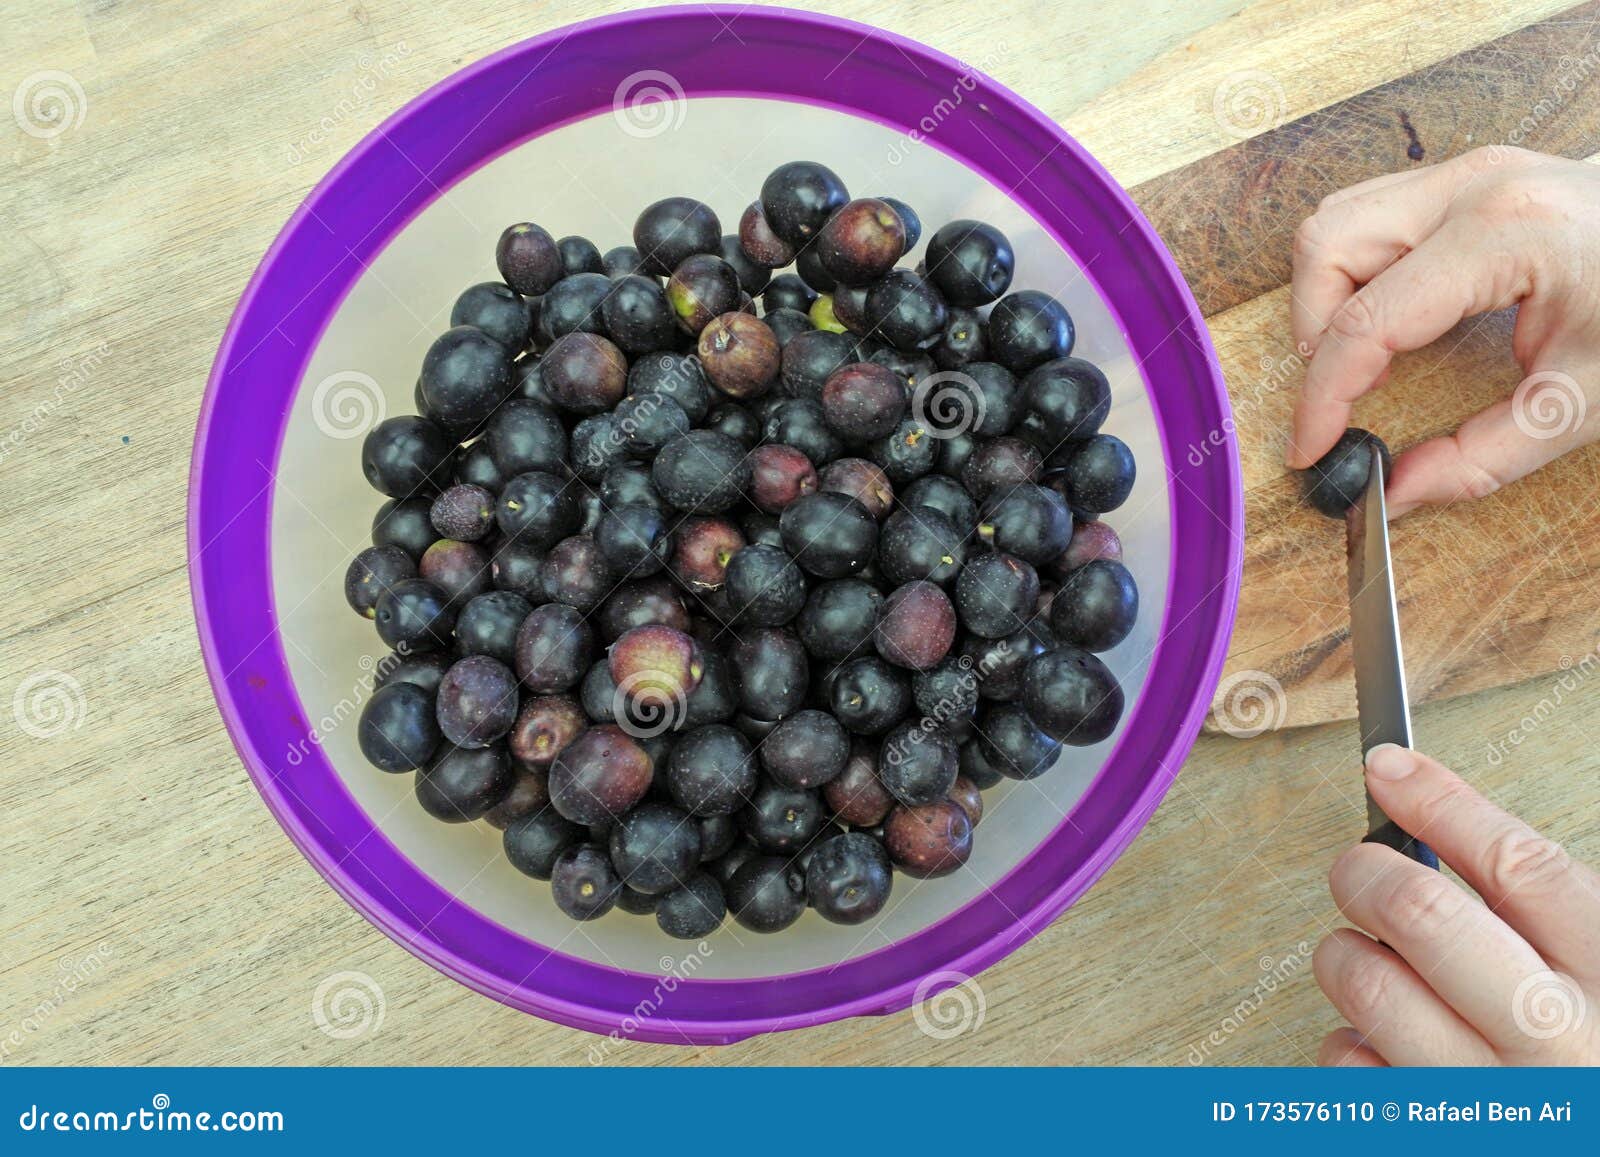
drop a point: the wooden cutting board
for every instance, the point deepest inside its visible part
(1492, 592)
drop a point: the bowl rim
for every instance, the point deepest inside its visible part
(252, 685)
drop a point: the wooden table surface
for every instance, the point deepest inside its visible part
(154, 912)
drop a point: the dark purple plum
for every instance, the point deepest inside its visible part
(948, 497)
(414, 616)
(805, 750)
(1069, 397)
(778, 475)
(920, 542)
(999, 465)
(839, 617)
(712, 771)
(1096, 606)
(573, 305)
(672, 229)
(398, 730)
(543, 729)
(637, 316)
(529, 793)
(766, 894)
(759, 243)
(1027, 329)
(634, 539)
(856, 795)
(1336, 480)
(869, 696)
(771, 671)
(575, 572)
(1072, 696)
(787, 291)
(996, 595)
(765, 588)
(585, 373)
(829, 534)
(641, 603)
(655, 848)
(459, 569)
(797, 199)
(676, 376)
(1028, 521)
(703, 287)
(371, 573)
(1013, 743)
(554, 648)
(863, 401)
(905, 311)
(740, 354)
(1098, 475)
(463, 783)
(404, 522)
(970, 262)
(583, 883)
(537, 508)
(497, 310)
(917, 626)
(861, 241)
(782, 820)
(579, 255)
(477, 701)
(862, 480)
(693, 911)
(907, 453)
(848, 878)
(702, 472)
(811, 358)
(932, 840)
(465, 375)
(528, 259)
(917, 763)
(533, 843)
(408, 455)
(463, 512)
(487, 625)
(962, 342)
(600, 776)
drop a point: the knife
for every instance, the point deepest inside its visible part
(1381, 703)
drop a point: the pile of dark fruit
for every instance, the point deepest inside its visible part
(715, 612)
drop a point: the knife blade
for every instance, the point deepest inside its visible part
(1382, 707)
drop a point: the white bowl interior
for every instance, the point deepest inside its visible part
(591, 178)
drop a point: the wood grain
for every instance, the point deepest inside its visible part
(155, 913)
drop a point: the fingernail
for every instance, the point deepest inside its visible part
(1391, 761)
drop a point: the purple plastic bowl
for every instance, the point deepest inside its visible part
(568, 75)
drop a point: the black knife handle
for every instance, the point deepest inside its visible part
(1390, 836)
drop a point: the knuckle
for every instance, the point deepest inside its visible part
(1356, 320)
(1426, 904)
(1310, 234)
(1368, 984)
(1521, 859)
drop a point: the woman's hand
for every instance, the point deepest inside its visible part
(1447, 979)
(1391, 264)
